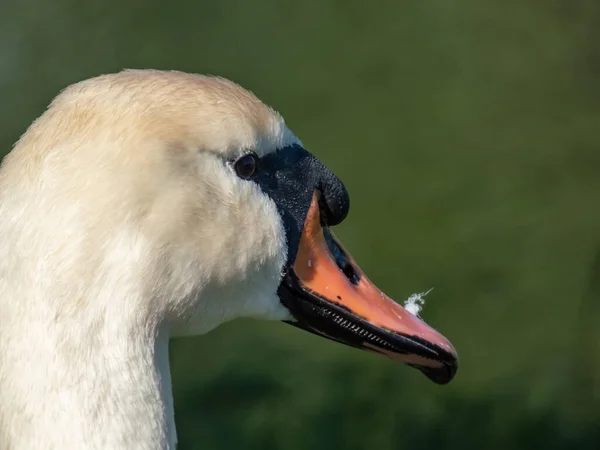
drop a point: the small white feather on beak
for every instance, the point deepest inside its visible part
(414, 304)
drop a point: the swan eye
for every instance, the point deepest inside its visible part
(246, 167)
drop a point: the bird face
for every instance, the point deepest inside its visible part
(195, 197)
(323, 288)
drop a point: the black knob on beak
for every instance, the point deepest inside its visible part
(334, 202)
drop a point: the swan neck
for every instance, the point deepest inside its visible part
(87, 389)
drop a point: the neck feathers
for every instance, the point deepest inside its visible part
(102, 388)
(83, 349)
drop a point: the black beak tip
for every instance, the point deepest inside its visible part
(441, 375)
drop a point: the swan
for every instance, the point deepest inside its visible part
(145, 205)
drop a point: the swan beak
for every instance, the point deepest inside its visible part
(329, 295)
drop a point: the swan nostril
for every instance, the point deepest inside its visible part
(349, 272)
(341, 259)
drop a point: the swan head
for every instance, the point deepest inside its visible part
(194, 197)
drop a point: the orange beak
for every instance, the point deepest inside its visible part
(329, 295)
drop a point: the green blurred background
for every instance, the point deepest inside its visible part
(468, 135)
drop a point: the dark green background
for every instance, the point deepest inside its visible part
(468, 135)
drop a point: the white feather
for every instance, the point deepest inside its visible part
(414, 304)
